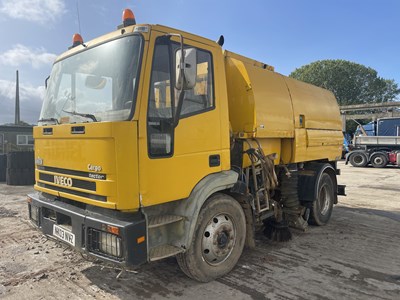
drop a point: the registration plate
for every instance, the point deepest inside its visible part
(64, 235)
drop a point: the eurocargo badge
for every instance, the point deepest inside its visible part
(94, 168)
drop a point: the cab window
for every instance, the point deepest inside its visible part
(163, 96)
(201, 97)
(160, 108)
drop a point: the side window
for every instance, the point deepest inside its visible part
(201, 97)
(163, 96)
(159, 118)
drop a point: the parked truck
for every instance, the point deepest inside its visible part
(153, 142)
(376, 143)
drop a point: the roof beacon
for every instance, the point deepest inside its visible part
(128, 18)
(76, 40)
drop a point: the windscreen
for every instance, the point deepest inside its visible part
(95, 85)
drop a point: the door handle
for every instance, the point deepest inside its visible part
(214, 160)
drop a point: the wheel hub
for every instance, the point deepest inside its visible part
(222, 240)
(324, 200)
(219, 238)
(358, 159)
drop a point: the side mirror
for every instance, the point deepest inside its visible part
(189, 69)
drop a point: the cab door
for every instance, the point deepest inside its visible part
(172, 160)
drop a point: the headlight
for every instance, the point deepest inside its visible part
(105, 243)
(34, 213)
(110, 244)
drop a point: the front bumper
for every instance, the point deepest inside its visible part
(106, 234)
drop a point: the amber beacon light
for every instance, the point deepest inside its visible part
(128, 18)
(77, 40)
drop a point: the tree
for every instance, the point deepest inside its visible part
(351, 83)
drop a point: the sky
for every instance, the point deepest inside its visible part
(286, 34)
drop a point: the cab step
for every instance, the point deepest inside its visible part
(163, 251)
(157, 221)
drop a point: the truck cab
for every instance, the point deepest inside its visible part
(108, 140)
(376, 143)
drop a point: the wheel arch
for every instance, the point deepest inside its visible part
(208, 186)
(380, 151)
(308, 185)
(332, 173)
(248, 210)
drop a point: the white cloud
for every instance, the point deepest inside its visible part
(39, 11)
(21, 54)
(31, 99)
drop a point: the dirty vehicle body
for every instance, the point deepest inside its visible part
(380, 146)
(145, 151)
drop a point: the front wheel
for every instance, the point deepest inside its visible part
(322, 207)
(218, 240)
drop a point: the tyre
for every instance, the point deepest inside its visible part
(218, 240)
(322, 207)
(379, 160)
(358, 159)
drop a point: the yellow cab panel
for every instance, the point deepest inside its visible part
(173, 160)
(101, 162)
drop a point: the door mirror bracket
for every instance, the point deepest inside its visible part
(185, 73)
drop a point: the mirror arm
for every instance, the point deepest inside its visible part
(179, 107)
(182, 91)
(45, 81)
(172, 79)
(182, 62)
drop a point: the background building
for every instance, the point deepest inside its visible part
(16, 138)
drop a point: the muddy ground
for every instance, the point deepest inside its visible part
(356, 256)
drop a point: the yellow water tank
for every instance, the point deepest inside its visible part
(297, 121)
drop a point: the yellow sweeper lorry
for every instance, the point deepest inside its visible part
(153, 142)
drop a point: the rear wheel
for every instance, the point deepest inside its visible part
(358, 159)
(379, 160)
(218, 240)
(322, 207)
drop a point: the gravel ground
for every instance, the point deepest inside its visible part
(356, 256)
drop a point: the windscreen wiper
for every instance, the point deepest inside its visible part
(49, 119)
(89, 116)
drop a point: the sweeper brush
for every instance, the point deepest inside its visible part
(277, 231)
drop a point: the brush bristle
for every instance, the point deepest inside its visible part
(277, 231)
